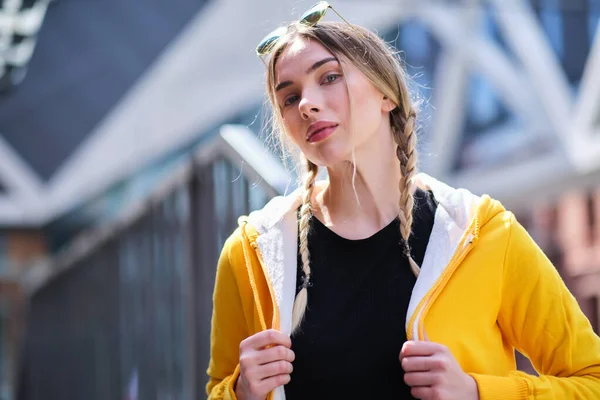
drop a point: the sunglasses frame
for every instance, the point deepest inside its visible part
(268, 42)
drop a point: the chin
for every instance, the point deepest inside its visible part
(331, 155)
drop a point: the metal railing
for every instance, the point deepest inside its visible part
(125, 311)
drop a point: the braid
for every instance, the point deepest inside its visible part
(304, 224)
(406, 139)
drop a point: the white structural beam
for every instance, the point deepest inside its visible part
(243, 145)
(12, 213)
(519, 185)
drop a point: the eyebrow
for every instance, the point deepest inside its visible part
(313, 67)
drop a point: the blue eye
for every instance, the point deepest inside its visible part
(290, 100)
(331, 78)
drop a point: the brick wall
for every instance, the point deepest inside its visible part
(18, 248)
(568, 230)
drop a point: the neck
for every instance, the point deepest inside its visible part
(370, 200)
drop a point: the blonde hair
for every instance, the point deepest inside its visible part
(380, 64)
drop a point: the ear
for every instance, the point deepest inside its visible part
(387, 104)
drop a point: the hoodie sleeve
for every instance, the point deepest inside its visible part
(229, 326)
(541, 319)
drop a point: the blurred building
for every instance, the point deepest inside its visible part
(101, 103)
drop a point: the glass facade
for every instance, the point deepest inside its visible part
(422, 52)
(593, 19)
(570, 26)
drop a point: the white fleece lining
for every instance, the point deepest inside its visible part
(278, 243)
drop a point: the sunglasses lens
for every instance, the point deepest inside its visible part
(314, 14)
(266, 45)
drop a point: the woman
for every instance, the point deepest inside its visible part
(381, 282)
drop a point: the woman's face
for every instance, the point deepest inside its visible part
(312, 94)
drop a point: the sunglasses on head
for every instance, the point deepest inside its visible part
(311, 17)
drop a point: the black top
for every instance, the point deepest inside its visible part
(349, 343)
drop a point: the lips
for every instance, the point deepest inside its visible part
(318, 127)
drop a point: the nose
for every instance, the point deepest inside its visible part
(309, 106)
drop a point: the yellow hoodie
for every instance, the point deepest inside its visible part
(485, 289)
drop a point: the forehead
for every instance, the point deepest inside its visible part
(298, 57)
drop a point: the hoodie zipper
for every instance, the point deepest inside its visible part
(465, 246)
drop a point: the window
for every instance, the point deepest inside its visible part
(551, 19)
(419, 49)
(484, 107)
(570, 26)
(593, 18)
(492, 135)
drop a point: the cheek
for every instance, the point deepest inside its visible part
(294, 128)
(365, 112)
(339, 101)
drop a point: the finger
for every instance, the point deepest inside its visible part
(423, 392)
(422, 378)
(272, 382)
(270, 337)
(274, 354)
(417, 364)
(420, 348)
(274, 369)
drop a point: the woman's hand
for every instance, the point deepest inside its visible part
(265, 363)
(433, 373)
